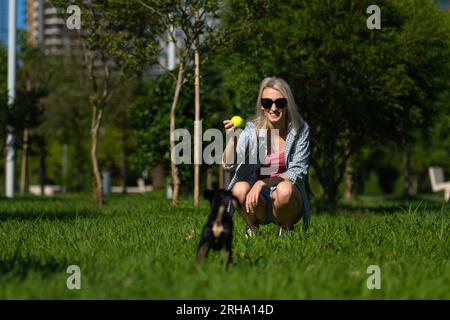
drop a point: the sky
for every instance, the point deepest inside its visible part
(21, 18)
(444, 4)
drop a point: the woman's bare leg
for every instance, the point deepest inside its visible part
(287, 204)
(240, 191)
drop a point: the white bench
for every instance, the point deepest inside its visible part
(141, 188)
(437, 181)
(49, 190)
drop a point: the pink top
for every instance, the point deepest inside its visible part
(273, 166)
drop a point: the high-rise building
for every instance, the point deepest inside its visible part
(46, 27)
(35, 20)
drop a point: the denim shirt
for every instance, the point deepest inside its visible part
(250, 150)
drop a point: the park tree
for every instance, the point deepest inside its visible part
(425, 37)
(117, 38)
(67, 114)
(189, 27)
(150, 121)
(117, 139)
(149, 117)
(352, 84)
(26, 111)
(34, 76)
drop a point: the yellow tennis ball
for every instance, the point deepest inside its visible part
(237, 121)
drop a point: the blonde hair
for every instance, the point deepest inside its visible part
(293, 116)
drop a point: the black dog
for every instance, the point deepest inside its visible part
(217, 234)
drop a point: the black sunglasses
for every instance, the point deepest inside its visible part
(267, 103)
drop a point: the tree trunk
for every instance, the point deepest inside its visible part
(209, 178)
(331, 191)
(173, 166)
(64, 168)
(98, 180)
(24, 170)
(42, 166)
(350, 190)
(221, 177)
(124, 160)
(197, 141)
(79, 174)
(330, 174)
(407, 171)
(158, 177)
(96, 120)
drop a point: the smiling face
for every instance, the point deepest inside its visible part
(276, 117)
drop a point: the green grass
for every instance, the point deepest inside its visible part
(141, 247)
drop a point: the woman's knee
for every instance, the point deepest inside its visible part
(284, 192)
(240, 191)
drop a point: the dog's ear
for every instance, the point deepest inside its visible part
(209, 194)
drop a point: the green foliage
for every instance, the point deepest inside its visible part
(353, 85)
(149, 116)
(150, 119)
(119, 147)
(142, 247)
(68, 115)
(181, 15)
(26, 111)
(357, 88)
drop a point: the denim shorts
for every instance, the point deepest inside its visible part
(266, 193)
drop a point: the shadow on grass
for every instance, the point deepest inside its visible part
(30, 198)
(48, 214)
(21, 266)
(379, 205)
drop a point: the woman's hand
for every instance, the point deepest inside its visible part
(251, 202)
(229, 154)
(228, 124)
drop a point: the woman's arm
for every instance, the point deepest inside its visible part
(233, 150)
(229, 154)
(271, 182)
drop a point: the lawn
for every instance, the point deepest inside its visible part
(141, 247)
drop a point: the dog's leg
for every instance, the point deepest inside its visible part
(201, 252)
(228, 257)
(228, 244)
(228, 253)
